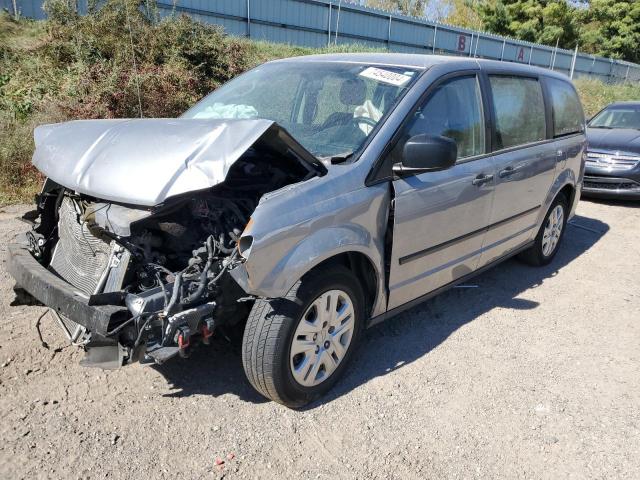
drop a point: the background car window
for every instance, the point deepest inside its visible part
(519, 107)
(453, 110)
(617, 117)
(567, 112)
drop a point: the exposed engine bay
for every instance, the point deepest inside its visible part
(168, 265)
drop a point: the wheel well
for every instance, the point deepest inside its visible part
(569, 192)
(362, 268)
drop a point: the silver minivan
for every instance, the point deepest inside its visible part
(298, 204)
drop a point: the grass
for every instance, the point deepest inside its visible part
(71, 67)
(595, 95)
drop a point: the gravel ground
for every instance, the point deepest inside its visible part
(533, 374)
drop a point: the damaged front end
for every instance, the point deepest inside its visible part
(135, 282)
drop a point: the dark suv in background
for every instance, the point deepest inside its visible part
(613, 152)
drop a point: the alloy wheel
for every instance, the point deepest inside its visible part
(552, 230)
(322, 338)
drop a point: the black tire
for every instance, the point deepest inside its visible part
(268, 336)
(535, 255)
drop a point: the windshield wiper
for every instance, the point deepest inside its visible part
(598, 126)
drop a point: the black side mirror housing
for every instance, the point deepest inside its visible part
(426, 153)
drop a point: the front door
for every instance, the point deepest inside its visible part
(440, 217)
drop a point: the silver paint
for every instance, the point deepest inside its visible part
(142, 161)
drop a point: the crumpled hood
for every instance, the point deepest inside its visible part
(623, 140)
(146, 161)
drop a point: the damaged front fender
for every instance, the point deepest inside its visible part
(286, 247)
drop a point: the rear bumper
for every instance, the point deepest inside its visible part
(57, 294)
(610, 187)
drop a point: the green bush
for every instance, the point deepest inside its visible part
(82, 67)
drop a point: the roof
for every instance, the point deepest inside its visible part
(422, 61)
(621, 103)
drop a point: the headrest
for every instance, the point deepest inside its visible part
(353, 91)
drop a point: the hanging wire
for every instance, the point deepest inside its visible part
(133, 56)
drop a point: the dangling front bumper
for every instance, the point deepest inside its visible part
(60, 296)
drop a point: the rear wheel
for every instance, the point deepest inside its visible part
(295, 348)
(550, 234)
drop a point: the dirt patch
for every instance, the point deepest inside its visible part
(534, 373)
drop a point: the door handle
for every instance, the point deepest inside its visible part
(507, 172)
(481, 179)
(561, 155)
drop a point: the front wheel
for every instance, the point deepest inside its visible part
(295, 348)
(550, 234)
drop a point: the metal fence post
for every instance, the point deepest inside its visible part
(335, 41)
(15, 9)
(555, 55)
(475, 52)
(626, 75)
(573, 62)
(248, 19)
(435, 35)
(530, 54)
(552, 62)
(329, 25)
(389, 35)
(504, 43)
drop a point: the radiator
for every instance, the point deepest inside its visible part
(79, 257)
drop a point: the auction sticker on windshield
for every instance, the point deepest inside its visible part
(385, 76)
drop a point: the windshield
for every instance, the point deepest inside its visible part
(330, 108)
(624, 116)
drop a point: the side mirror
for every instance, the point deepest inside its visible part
(426, 153)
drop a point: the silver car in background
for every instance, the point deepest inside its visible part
(301, 202)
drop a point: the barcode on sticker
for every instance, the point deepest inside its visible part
(385, 76)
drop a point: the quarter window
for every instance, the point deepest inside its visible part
(519, 109)
(567, 112)
(453, 110)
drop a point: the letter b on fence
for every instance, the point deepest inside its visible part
(462, 43)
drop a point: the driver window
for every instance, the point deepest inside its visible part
(453, 110)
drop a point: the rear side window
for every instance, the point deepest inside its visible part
(519, 108)
(567, 112)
